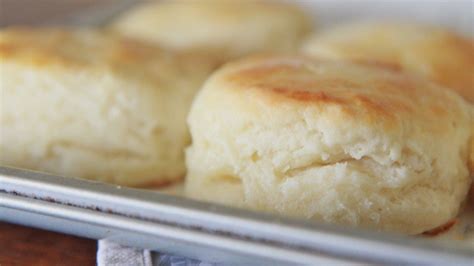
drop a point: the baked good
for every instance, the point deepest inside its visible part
(471, 161)
(225, 28)
(82, 103)
(438, 54)
(343, 143)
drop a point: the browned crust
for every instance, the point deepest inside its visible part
(458, 77)
(307, 96)
(379, 64)
(159, 184)
(440, 229)
(297, 78)
(447, 56)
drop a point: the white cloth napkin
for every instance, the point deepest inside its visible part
(113, 254)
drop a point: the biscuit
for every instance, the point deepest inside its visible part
(225, 28)
(332, 141)
(85, 104)
(438, 54)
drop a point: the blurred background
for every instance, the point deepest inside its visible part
(42, 11)
(454, 14)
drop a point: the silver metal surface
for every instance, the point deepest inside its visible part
(199, 230)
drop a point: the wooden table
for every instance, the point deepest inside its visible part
(21, 245)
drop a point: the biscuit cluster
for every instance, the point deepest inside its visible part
(366, 124)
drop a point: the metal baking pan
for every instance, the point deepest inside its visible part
(205, 231)
(209, 232)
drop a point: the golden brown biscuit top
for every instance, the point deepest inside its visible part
(228, 28)
(231, 11)
(71, 46)
(221, 11)
(95, 50)
(439, 54)
(364, 91)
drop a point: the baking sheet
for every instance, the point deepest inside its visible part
(461, 233)
(201, 230)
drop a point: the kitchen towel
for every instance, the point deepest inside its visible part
(112, 254)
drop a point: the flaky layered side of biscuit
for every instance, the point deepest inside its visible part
(226, 29)
(86, 104)
(436, 53)
(330, 141)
